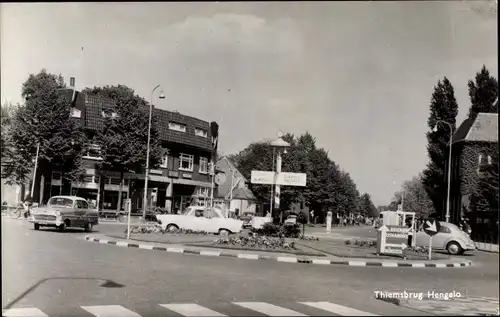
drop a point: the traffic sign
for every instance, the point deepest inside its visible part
(431, 227)
(283, 179)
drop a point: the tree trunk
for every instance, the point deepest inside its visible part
(119, 207)
(62, 184)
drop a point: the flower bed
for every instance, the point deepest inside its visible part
(277, 231)
(156, 228)
(257, 242)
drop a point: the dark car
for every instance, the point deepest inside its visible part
(247, 219)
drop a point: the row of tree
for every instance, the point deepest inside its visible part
(43, 123)
(328, 186)
(483, 92)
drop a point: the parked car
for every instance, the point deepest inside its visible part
(291, 220)
(247, 219)
(63, 212)
(199, 218)
(449, 238)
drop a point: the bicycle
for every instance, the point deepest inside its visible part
(16, 213)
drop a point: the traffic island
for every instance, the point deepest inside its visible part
(274, 256)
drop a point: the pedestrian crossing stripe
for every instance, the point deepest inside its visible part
(195, 310)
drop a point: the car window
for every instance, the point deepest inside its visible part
(61, 202)
(198, 213)
(212, 214)
(444, 229)
(83, 204)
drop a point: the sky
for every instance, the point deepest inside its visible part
(357, 75)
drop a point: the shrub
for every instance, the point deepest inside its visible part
(361, 243)
(275, 230)
(308, 238)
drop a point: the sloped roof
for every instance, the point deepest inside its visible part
(482, 127)
(243, 194)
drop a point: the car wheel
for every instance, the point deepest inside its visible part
(454, 248)
(37, 226)
(62, 227)
(88, 227)
(224, 232)
(172, 227)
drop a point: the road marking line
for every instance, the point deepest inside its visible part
(122, 244)
(146, 246)
(176, 250)
(456, 264)
(23, 312)
(193, 310)
(418, 264)
(440, 265)
(210, 253)
(321, 261)
(110, 311)
(337, 309)
(286, 259)
(268, 309)
(389, 264)
(357, 263)
(248, 256)
(103, 241)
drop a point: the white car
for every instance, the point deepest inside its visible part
(449, 238)
(207, 219)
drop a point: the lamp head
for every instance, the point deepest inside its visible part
(162, 95)
(435, 129)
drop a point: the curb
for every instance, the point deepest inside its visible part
(249, 256)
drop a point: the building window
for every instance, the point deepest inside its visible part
(88, 179)
(56, 176)
(186, 162)
(114, 181)
(201, 132)
(164, 159)
(75, 113)
(203, 165)
(96, 179)
(177, 126)
(93, 152)
(203, 191)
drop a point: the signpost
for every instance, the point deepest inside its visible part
(431, 227)
(128, 207)
(329, 221)
(283, 179)
(397, 233)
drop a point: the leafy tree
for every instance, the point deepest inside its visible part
(483, 92)
(367, 208)
(44, 119)
(415, 198)
(443, 107)
(123, 139)
(8, 112)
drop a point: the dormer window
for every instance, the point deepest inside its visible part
(201, 132)
(106, 114)
(75, 113)
(177, 126)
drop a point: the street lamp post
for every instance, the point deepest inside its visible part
(278, 144)
(449, 167)
(162, 96)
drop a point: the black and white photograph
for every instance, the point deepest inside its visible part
(272, 158)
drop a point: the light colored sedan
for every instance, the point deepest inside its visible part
(207, 219)
(63, 212)
(449, 238)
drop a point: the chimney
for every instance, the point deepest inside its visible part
(72, 82)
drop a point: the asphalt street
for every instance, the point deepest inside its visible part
(61, 274)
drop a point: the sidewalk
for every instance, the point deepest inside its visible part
(488, 247)
(280, 257)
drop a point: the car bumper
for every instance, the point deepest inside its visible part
(47, 223)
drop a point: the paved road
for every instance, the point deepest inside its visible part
(76, 278)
